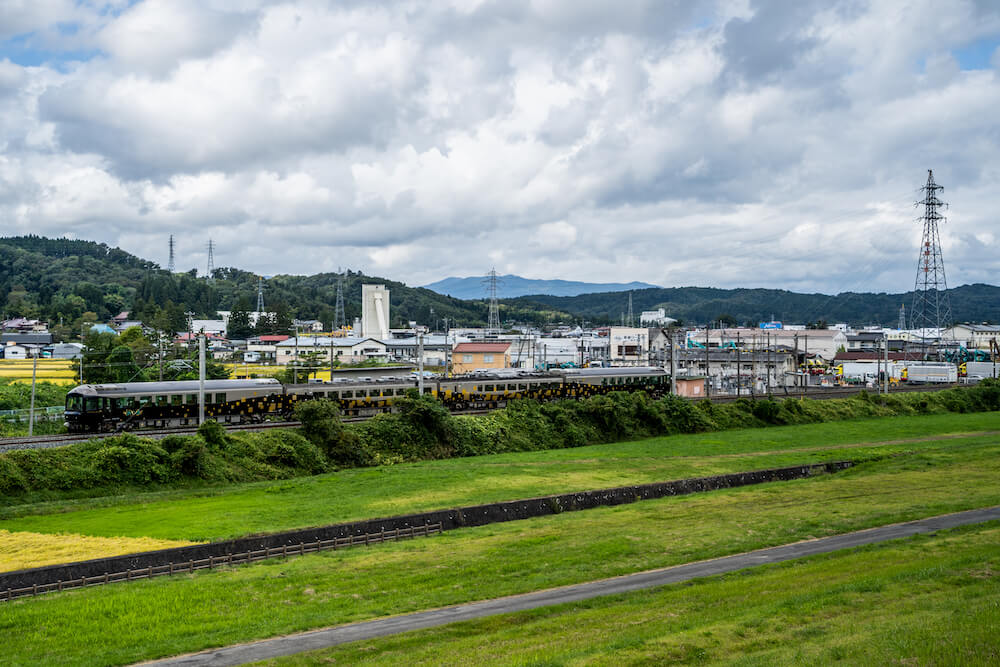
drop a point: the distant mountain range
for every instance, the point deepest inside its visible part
(511, 287)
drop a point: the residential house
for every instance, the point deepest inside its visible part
(263, 348)
(468, 357)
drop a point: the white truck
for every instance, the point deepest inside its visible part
(924, 373)
(979, 370)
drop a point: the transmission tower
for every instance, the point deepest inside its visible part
(491, 282)
(931, 309)
(211, 261)
(170, 262)
(630, 317)
(260, 295)
(902, 317)
(339, 319)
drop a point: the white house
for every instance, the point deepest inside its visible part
(628, 345)
(656, 317)
(347, 349)
(15, 352)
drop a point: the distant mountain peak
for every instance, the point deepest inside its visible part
(512, 286)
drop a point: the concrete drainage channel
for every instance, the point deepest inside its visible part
(25, 583)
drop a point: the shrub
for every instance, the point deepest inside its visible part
(213, 433)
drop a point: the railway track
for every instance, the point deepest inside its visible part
(63, 439)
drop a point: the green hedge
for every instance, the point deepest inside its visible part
(423, 429)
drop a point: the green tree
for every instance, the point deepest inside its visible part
(239, 320)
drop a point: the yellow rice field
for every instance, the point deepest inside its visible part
(59, 371)
(23, 550)
(245, 370)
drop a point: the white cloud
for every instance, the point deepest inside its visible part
(715, 143)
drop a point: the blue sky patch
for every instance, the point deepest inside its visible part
(978, 54)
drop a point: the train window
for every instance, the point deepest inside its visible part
(489, 387)
(74, 402)
(161, 400)
(190, 399)
(428, 390)
(347, 394)
(220, 398)
(92, 403)
(144, 400)
(176, 399)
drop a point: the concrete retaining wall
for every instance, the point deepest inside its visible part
(475, 515)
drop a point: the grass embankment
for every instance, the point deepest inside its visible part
(423, 429)
(24, 550)
(171, 616)
(928, 600)
(212, 513)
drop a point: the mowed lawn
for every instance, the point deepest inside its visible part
(170, 616)
(928, 600)
(211, 513)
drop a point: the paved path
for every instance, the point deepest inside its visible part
(316, 639)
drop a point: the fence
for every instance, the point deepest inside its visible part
(229, 559)
(51, 413)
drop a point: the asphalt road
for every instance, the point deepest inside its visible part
(317, 639)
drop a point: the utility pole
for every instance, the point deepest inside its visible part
(673, 362)
(420, 361)
(331, 357)
(739, 364)
(201, 380)
(295, 366)
(31, 412)
(885, 340)
(708, 366)
(159, 341)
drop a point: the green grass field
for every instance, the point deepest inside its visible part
(174, 615)
(221, 512)
(929, 600)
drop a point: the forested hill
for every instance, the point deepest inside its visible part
(969, 303)
(71, 283)
(77, 282)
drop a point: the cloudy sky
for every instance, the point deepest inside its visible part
(679, 142)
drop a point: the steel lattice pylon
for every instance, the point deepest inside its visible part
(931, 309)
(491, 282)
(339, 319)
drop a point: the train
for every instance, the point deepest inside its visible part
(93, 408)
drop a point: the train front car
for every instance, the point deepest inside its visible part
(83, 412)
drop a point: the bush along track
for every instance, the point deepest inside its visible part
(447, 519)
(423, 429)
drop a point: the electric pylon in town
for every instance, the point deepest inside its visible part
(211, 262)
(930, 312)
(339, 319)
(260, 295)
(170, 261)
(493, 325)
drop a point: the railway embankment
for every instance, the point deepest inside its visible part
(120, 568)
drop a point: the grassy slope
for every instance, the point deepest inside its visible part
(932, 599)
(23, 550)
(171, 616)
(359, 493)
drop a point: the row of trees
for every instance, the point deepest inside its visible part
(135, 357)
